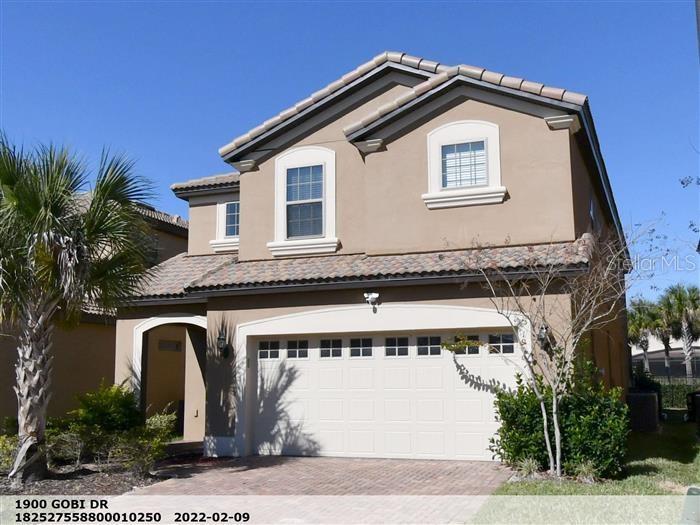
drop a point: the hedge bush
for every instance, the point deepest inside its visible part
(8, 445)
(111, 408)
(673, 395)
(594, 424)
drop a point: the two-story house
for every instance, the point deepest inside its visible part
(323, 275)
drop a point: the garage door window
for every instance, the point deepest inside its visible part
(501, 344)
(429, 346)
(297, 349)
(269, 350)
(471, 345)
(396, 347)
(331, 348)
(361, 347)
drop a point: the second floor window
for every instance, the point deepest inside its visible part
(232, 219)
(464, 164)
(305, 201)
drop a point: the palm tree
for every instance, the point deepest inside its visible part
(59, 252)
(683, 305)
(642, 322)
(664, 330)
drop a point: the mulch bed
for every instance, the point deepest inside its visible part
(79, 482)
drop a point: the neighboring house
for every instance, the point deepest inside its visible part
(84, 356)
(657, 358)
(322, 277)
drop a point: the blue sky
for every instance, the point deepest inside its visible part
(168, 83)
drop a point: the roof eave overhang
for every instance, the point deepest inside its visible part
(236, 154)
(186, 193)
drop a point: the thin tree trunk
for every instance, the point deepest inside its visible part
(557, 432)
(548, 442)
(33, 376)
(687, 338)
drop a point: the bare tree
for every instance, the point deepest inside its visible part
(553, 301)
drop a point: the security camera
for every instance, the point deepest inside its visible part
(371, 298)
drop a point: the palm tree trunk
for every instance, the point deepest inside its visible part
(687, 338)
(667, 359)
(644, 345)
(33, 375)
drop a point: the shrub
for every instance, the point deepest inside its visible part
(64, 447)
(8, 445)
(673, 395)
(9, 426)
(593, 421)
(109, 409)
(138, 450)
(520, 435)
(595, 426)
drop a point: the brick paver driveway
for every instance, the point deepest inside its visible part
(274, 475)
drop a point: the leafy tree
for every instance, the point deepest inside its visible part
(61, 249)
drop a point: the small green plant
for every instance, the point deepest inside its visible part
(528, 467)
(138, 450)
(109, 409)
(585, 472)
(8, 445)
(162, 425)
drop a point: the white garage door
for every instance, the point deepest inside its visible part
(396, 395)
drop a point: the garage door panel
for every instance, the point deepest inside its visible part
(428, 377)
(397, 378)
(331, 410)
(361, 378)
(430, 410)
(331, 379)
(397, 410)
(362, 442)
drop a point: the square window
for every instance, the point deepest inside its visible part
(464, 164)
(361, 347)
(297, 349)
(331, 348)
(396, 346)
(269, 350)
(501, 343)
(469, 349)
(429, 346)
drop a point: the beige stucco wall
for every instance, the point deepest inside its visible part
(165, 383)
(83, 357)
(169, 244)
(378, 197)
(203, 218)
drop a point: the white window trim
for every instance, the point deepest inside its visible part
(222, 243)
(296, 158)
(456, 133)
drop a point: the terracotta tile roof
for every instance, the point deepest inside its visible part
(173, 276)
(213, 181)
(439, 73)
(183, 274)
(477, 73)
(167, 218)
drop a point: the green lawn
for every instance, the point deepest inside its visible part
(666, 462)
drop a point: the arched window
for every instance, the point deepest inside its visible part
(464, 166)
